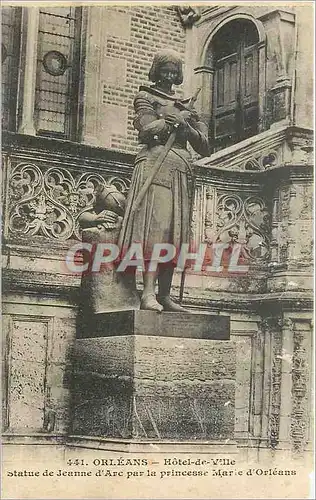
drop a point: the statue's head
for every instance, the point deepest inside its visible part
(166, 60)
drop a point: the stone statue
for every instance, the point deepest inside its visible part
(163, 214)
(102, 223)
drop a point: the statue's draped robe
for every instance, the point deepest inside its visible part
(163, 215)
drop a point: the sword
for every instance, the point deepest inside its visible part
(181, 291)
(159, 161)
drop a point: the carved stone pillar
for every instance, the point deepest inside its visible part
(301, 421)
(286, 383)
(291, 229)
(281, 100)
(287, 365)
(274, 398)
(280, 29)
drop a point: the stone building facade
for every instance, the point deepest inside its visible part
(69, 78)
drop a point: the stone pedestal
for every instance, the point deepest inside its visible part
(156, 385)
(167, 324)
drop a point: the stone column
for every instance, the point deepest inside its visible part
(302, 372)
(30, 20)
(286, 383)
(281, 47)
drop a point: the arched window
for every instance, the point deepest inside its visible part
(234, 58)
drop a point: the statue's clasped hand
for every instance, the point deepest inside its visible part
(175, 120)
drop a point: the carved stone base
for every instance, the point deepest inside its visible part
(166, 324)
(153, 387)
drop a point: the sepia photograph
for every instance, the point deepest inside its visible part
(157, 250)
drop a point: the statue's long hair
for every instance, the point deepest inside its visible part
(162, 57)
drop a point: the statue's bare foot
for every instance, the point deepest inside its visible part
(149, 303)
(169, 305)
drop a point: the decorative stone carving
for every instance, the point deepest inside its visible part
(49, 203)
(238, 220)
(302, 148)
(280, 96)
(291, 217)
(105, 217)
(274, 420)
(55, 63)
(188, 15)
(106, 289)
(300, 392)
(198, 211)
(262, 162)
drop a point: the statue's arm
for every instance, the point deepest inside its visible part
(198, 136)
(87, 219)
(146, 120)
(91, 219)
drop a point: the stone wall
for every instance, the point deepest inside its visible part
(39, 335)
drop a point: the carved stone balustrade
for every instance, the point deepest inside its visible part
(47, 185)
(50, 183)
(256, 193)
(275, 147)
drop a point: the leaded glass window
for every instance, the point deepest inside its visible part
(57, 78)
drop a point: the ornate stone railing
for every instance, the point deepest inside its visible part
(273, 148)
(243, 191)
(256, 193)
(49, 184)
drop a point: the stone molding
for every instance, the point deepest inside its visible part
(52, 285)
